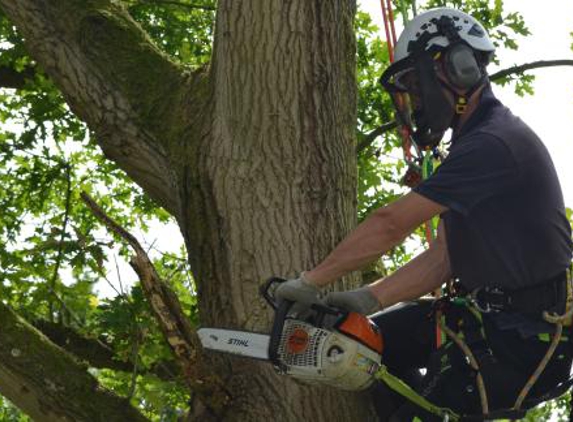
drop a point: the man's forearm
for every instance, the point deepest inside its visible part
(367, 242)
(383, 230)
(422, 275)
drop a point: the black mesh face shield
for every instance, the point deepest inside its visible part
(419, 98)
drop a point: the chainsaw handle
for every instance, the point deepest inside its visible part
(281, 311)
(281, 308)
(321, 311)
(267, 291)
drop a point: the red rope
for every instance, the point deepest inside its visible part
(389, 39)
(391, 19)
(390, 30)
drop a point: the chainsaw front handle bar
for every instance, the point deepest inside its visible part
(267, 291)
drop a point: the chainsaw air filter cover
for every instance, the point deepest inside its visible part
(345, 356)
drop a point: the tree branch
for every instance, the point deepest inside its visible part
(11, 78)
(47, 383)
(176, 3)
(60, 255)
(174, 324)
(91, 350)
(116, 80)
(529, 66)
(97, 353)
(369, 138)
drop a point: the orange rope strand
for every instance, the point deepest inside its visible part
(389, 39)
(390, 30)
(391, 20)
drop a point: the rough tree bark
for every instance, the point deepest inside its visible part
(254, 156)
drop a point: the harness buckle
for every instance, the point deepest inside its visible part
(495, 300)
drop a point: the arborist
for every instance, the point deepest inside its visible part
(503, 238)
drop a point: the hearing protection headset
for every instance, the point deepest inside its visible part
(444, 38)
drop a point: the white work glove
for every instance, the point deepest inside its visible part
(299, 290)
(361, 300)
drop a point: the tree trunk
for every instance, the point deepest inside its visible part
(277, 176)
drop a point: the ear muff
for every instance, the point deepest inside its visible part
(461, 66)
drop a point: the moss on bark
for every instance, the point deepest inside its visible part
(47, 383)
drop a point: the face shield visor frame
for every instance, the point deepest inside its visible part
(395, 81)
(418, 97)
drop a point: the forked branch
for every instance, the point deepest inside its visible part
(174, 324)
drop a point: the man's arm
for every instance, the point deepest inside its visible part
(384, 229)
(420, 276)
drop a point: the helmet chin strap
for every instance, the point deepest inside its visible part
(461, 100)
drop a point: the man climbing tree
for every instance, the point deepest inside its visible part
(503, 237)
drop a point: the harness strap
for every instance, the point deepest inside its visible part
(533, 300)
(511, 414)
(409, 393)
(472, 331)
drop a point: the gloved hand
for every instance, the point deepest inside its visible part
(299, 290)
(361, 300)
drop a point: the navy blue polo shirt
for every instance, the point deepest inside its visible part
(506, 224)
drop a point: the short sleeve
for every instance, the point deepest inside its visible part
(477, 167)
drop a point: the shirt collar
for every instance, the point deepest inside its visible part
(486, 102)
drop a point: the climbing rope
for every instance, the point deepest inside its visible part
(458, 340)
(390, 36)
(427, 161)
(409, 393)
(559, 321)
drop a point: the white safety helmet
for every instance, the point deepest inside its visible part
(469, 30)
(439, 50)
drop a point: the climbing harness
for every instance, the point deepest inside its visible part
(472, 343)
(532, 300)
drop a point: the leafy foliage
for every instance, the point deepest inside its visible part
(10, 413)
(379, 170)
(53, 253)
(181, 29)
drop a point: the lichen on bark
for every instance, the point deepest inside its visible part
(50, 384)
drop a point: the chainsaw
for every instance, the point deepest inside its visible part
(325, 346)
